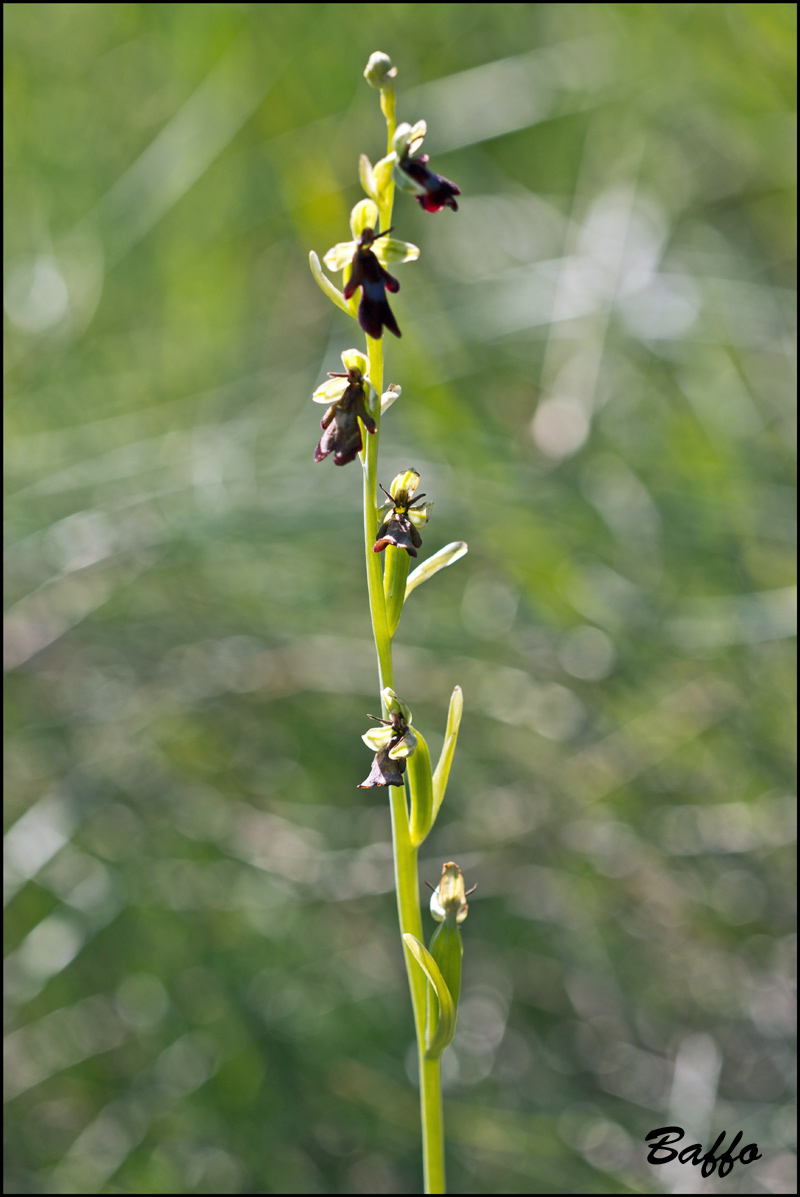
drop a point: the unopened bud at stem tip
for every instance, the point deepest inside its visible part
(379, 72)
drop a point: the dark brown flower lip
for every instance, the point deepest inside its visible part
(341, 423)
(384, 771)
(397, 529)
(439, 192)
(374, 313)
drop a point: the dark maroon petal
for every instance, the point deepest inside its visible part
(364, 416)
(389, 280)
(354, 281)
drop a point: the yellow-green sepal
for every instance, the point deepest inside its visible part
(390, 251)
(339, 255)
(363, 216)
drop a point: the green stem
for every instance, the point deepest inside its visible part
(430, 1077)
(407, 885)
(377, 602)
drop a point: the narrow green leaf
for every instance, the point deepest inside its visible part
(333, 293)
(420, 783)
(448, 748)
(446, 556)
(446, 1027)
(395, 574)
(447, 949)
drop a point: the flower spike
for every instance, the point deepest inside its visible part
(399, 754)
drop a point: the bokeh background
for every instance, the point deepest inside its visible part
(205, 991)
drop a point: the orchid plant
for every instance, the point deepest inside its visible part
(355, 404)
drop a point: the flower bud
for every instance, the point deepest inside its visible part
(379, 72)
(449, 899)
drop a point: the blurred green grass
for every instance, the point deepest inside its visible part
(205, 991)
